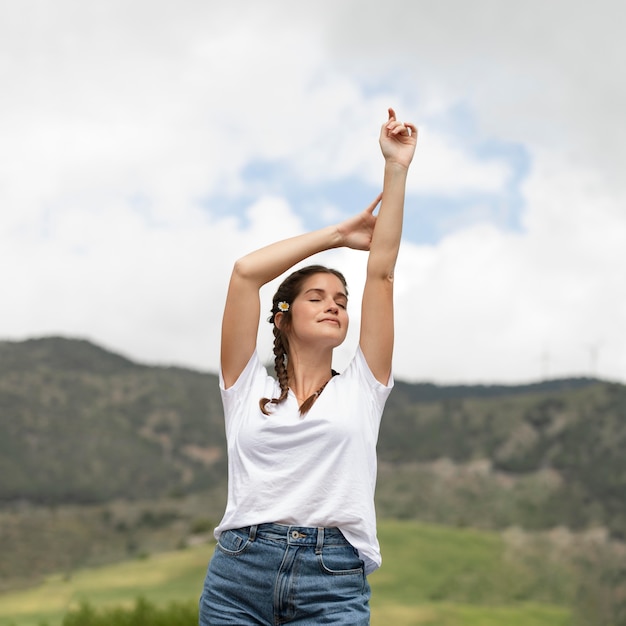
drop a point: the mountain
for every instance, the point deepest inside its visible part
(80, 425)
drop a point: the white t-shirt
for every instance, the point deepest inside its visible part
(316, 470)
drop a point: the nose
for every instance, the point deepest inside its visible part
(333, 308)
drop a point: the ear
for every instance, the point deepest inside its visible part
(278, 318)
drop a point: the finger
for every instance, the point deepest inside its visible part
(398, 128)
(412, 128)
(371, 207)
(392, 119)
(404, 129)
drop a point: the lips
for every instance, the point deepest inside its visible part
(332, 320)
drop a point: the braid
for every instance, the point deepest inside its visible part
(305, 407)
(280, 353)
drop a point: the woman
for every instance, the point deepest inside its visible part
(298, 537)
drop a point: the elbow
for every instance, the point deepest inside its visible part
(381, 263)
(246, 271)
(243, 269)
(381, 271)
(385, 278)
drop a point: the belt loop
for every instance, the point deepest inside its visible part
(252, 532)
(320, 541)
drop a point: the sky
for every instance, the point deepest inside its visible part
(146, 145)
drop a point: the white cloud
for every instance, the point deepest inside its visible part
(491, 306)
(445, 169)
(121, 120)
(543, 73)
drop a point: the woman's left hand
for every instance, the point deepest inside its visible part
(398, 140)
(356, 232)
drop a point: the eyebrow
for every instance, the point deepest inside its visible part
(339, 294)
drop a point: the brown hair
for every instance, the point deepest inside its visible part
(287, 292)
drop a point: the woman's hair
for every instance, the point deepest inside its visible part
(287, 292)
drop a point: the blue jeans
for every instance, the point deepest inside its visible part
(273, 574)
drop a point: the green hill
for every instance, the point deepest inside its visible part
(537, 456)
(83, 426)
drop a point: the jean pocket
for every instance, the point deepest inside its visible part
(340, 561)
(233, 542)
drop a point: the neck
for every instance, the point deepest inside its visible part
(308, 379)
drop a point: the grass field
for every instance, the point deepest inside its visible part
(431, 576)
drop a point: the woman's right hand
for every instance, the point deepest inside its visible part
(356, 232)
(397, 141)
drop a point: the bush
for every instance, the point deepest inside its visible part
(201, 525)
(142, 614)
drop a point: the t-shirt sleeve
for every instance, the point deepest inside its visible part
(379, 392)
(249, 381)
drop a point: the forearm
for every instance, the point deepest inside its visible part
(388, 231)
(263, 265)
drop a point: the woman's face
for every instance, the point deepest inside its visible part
(319, 312)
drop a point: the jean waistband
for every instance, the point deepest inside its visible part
(297, 535)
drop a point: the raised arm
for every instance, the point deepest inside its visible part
(397, 142)
(241, 313)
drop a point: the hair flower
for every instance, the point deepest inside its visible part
(283, 306)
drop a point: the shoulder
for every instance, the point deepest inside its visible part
(358, 385)
(241, 399)
(252, 373)
(359, 369)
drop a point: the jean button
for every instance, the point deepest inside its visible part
(295, 534)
